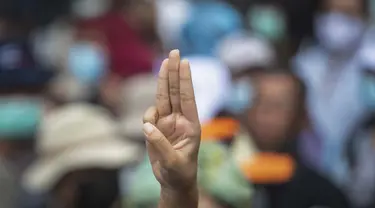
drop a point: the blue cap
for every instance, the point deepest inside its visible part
(209, 23)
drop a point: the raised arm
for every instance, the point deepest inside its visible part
(173, 134)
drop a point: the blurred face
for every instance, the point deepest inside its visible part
(273, 113)
(91, 188)
(351, 7)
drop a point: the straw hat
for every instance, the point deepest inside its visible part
(75, 137)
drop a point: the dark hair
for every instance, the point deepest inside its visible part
(365, 6)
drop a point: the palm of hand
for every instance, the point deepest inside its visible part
(173, 146)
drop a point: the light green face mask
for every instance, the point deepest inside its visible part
(19, 118)
(268, 22)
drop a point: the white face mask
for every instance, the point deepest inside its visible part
(85, 9)
(339, 32)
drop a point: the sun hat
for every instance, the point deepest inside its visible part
(75, 137)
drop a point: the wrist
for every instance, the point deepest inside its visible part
(180, 191)
(182, 198)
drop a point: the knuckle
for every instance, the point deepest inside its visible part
(185, 97)
(161, 97)
(174, 91)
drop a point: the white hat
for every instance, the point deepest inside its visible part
(138, 95)
(172, 15)
(75, 137)
(212, 83)
(240, 51)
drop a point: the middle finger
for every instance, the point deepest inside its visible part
(174, 80)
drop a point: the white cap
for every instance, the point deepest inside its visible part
(212, 83)
(241, 50)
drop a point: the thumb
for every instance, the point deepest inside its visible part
(161, 144)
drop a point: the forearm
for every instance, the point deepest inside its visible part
(179, 199)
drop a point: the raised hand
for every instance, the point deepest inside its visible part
(172, 128)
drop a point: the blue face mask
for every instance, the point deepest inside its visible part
(87, 63)
(240, 97)
(19, 118)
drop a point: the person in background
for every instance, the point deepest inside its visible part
(360, 183)
(22, 106)
(245, 55)
(85, 70)
(131, 54)
(258, 55)
(79, 169)
(268, 20)
(332, 69)
(126, 35)
(360, 172)
(273, 122)
(81, 60)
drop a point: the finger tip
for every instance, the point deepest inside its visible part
(185, 61)
(174, 53)
(148, 128)
(151, 115)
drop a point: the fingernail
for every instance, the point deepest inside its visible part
(148, 128)
(185, 61)
(175, 53)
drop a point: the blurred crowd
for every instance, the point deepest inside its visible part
(285, 91)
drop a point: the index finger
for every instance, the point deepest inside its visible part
(188, 103)
(163, 104)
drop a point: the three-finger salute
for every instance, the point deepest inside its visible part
(173, 134)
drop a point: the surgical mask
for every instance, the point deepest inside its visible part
(268, 22)
(368, 91)
(339, 32)
(87, 63)
(19, 118)
(240, 97)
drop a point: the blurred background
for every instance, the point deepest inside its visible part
(285, 92)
